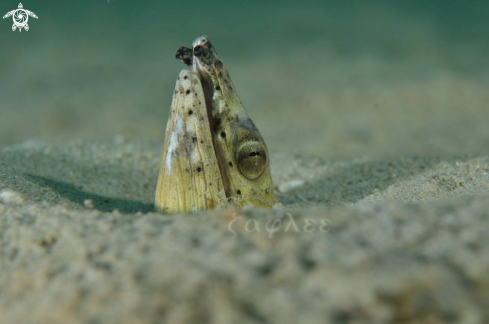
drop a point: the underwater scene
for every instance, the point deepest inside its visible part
(244, 162)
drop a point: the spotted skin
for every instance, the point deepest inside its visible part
(240, 149)
(190, 178)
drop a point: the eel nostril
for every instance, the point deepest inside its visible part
(198, 50)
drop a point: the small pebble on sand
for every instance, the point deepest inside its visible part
(88, 203)
(10, 197)
(291, 186)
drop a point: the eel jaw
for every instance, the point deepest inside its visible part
(202, 63)
(204, 58)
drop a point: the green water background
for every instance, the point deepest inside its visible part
(330, 78)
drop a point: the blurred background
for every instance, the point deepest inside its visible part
(328, 78)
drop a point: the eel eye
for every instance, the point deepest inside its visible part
(252, 159)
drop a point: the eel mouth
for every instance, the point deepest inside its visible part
(201, 68)
(200, 58)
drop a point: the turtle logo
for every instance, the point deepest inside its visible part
(20, 17)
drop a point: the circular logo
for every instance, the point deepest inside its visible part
(20, 17)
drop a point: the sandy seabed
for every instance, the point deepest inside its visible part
(358, 241)
(375, 115)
